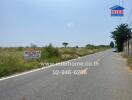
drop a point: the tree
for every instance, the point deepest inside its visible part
(121, 34)
(112, 44)
(65, 44)
(90, 46)
(77, 46)
(20, 48)
(34, 46)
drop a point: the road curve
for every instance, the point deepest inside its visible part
(108, 80)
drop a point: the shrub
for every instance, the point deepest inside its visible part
(70, 51)
(49, 52)
(89, 46)
(8, 64)
(129, 62)
(20, 48)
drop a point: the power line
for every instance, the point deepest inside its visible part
(130, 24)
(129, 15)
(122, 2)
(119, 2)
(120, 20)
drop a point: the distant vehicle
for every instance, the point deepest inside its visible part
(114, 50)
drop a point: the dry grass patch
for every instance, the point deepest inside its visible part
(124, 55)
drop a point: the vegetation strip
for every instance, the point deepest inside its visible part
(12, 59)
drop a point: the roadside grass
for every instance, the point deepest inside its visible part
(10, 64)
(128, 59)
(124, 55)
(12, 60)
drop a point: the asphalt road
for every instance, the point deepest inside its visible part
(108, 79)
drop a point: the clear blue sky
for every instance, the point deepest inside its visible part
(78, 22)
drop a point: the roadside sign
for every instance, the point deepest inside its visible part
(31, 55)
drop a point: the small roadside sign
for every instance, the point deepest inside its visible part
(31, 55)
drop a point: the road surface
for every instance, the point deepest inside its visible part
(109, 79)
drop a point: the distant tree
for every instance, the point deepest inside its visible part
(90, 46)
(20, 48)
(121, 34)
(34, 46)
(65, 44)
(77, 46)
(27, 47)
(112, 44)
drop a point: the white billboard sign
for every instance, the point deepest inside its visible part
(31, 55)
